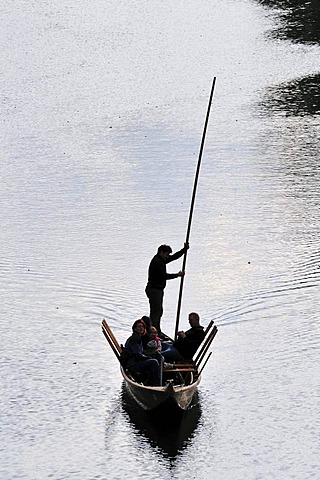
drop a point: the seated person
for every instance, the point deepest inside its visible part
(146, 337)
(137, 361)
(187, 342)
(154, 347)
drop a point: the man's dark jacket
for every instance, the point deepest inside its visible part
(189, 345)
(158, 276)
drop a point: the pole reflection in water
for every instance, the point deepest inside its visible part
(166, 428)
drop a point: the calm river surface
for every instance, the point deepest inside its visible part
(102, 110)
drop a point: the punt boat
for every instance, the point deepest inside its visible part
(179, 381)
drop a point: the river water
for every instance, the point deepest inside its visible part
(103, 106)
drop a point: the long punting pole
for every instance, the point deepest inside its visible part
(192, 205)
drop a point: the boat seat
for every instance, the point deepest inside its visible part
(184, 364)
(179, 369)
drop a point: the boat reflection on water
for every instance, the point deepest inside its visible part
(166, 427)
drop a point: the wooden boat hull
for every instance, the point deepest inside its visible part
(151, 397)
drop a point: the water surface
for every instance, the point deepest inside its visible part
(103, 106)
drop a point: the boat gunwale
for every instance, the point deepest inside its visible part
(160, 388)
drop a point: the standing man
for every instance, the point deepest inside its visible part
(157, 279)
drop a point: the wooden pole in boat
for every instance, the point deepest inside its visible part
(192, 206)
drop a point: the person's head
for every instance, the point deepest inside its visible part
(146, 321)
(153, 332)
(139, 327)
(194, 319)
(164, 251)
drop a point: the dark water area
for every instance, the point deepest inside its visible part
(299, 21)
(299, 97)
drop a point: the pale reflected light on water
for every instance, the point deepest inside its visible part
(103, 110)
